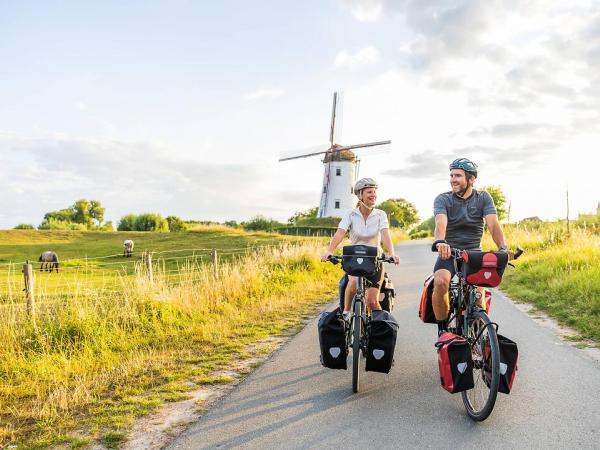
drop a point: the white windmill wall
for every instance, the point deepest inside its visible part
(337, 198)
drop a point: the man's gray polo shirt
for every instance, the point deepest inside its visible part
(465, 217)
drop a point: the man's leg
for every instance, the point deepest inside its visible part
(440, 299)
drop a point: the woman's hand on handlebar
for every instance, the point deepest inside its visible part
(326, 256)
(396, 259)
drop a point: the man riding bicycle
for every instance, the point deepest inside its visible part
(459, 218)
(367, 226)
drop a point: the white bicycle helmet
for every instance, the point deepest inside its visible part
(364, 183)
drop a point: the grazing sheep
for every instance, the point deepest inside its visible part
(128, 248)
(49, 261)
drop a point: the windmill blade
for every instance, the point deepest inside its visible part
(337, 115)
(313, 151)
(368, 144)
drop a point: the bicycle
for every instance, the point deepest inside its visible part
(356, 334)
(470, 321)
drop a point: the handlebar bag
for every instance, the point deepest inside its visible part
(332, 340)
(509, 355)
(382, 331)
(455, 363)
(360, 260)
(484, 268)
(426, 306)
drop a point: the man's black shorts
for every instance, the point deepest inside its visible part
(447, 264)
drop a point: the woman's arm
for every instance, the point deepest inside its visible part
(335, 241)
(386, 239)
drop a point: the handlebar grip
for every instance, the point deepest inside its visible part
(518, 253)
(333, 259)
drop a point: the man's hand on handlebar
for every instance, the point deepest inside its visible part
(444, 250)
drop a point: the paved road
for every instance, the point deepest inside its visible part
(292, 402)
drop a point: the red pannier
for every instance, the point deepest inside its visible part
(484, 268)
(455, 363)
(426, 307)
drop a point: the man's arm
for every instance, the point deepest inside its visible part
(493, 225)
(441, 222)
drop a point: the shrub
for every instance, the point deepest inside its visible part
(55, 224)
(127, 223)
(151, 222)
(24, 226)
(175, 224)
(261, 223)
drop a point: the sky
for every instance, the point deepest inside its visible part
(184, 107)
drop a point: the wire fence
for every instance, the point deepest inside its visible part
(30, 285)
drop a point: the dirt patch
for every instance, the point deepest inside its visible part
(156, 430)
(566, 334)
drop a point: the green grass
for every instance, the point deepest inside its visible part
(94, 360)
(559, 274)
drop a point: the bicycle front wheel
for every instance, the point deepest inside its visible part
(357, 333)
(480, 400)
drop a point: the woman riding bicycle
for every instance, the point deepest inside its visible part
(367, 226)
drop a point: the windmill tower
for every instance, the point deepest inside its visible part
(340, 170)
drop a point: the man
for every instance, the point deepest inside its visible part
(459, 218)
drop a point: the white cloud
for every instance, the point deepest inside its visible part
(366, 10)
(362, 57)
(264, 93)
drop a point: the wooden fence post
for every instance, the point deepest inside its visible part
(148, 260)
(29, 295)
(215, 261)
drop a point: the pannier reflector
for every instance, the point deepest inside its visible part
(335, 351)
(378, 354)
(461, 367)
(503, 368)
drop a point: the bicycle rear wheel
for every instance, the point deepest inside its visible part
(357, 333)
(480, 400)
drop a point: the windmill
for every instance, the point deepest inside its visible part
(341, 170)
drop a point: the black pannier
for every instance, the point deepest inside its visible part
(332, 339)
(360, 260)
(509, 355)
(382, 331)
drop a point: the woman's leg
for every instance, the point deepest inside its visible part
(373, 292)
(349, 294)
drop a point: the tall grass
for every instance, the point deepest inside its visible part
(559, 273)
(92, 362)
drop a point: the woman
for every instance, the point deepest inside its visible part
(367, 226)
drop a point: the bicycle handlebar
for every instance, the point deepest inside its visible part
(457, 253)
(336, 259)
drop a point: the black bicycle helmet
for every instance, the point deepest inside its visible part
(465, 164)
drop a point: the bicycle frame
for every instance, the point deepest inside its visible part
(359, 296)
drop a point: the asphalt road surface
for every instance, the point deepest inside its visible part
(292, 402)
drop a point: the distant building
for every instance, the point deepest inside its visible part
(534, 219)
(590, 217)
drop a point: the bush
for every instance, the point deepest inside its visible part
(151, 222)
(231, 224)
(24, 226)
(175, 224)
(55, 224)
(422, 234)
(127, 223)
(261, 223)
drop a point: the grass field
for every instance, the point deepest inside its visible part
(559, 274)
(95, 358)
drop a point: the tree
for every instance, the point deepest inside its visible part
(401, 213)
(81, 212)
(424, 229)
(24, 226)
(62, 215)
(97, 211)
(300, 216)
(499, 200)
(261, 223)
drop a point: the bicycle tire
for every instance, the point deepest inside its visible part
(479, 401)
(357, 333)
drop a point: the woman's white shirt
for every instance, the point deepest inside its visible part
(365, 232)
